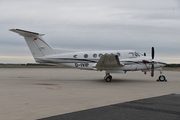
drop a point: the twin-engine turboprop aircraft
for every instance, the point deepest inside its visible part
(110, 61)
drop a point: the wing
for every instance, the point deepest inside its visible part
(108, 61)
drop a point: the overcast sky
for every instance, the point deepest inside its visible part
(92, 24)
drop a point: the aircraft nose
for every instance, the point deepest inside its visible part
(163, 64)
(160, 63)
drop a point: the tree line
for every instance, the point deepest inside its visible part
(172, 65)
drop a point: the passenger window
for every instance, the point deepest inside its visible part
(100, 54)
(75, 56)
(118, 54)
(94, 55)
(86, 56)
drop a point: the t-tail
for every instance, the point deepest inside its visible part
(36, 43)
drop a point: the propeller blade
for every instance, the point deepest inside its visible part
(152, 70)
(152, 53)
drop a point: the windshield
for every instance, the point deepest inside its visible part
(134, 54)
(137, 54)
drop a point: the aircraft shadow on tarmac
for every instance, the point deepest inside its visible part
(100, 80)
(93, 80)
(124, 81)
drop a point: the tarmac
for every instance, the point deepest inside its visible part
(165, 107)
(53, 93)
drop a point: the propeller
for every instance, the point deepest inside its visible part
(152, 62)
(152, 66)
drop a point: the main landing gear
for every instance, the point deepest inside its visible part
(108, 77)
(161, 78)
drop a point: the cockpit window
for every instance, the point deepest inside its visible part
(131, 55)
(137, 54)
(134, 54)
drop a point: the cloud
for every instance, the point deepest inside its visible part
(102, 24)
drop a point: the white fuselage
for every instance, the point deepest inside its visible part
(88, 59)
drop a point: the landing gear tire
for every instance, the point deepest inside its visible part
(108, 77)
(162, 78)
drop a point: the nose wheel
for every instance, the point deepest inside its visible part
(108, 77)
(161, 78)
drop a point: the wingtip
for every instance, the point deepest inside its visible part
(11, 29)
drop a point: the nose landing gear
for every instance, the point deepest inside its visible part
(161, 78)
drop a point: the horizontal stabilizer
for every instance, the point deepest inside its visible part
(25, 33)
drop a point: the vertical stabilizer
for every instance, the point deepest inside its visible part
(37, 45)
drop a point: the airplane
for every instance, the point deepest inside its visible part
(110, 61)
